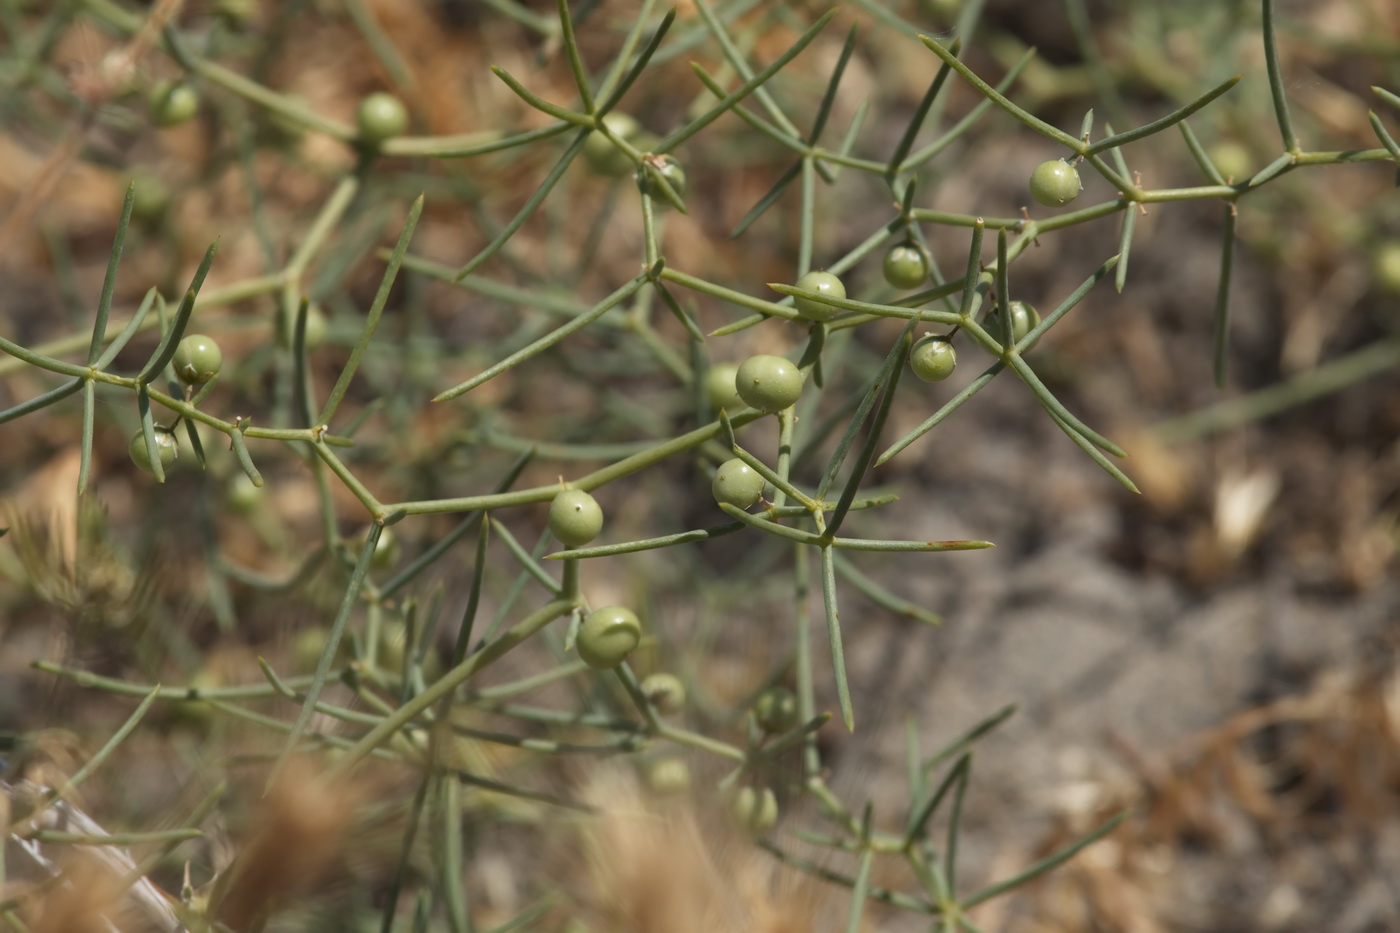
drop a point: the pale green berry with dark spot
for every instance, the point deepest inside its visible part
(823, 283)
(768, 383)
(737, 484)
(575, 518)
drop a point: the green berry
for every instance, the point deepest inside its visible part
(198, 359)
(310, 643)
(604, 157)
(670, 170)
(1231, 159)
(166, 447)
(668, 776)
(905, 266)
(380, 116)
(737, 483)
(1055, 183)
(719, 387)
(316, 328)
(394, 648)
(755, 810)
(664, 691)
(607, 636)
(241, 495)
(172, 103)
(196, 713)
(1024, 319)
(933, 359)
(575, 517)
(768, 383)
(823, 283)
(151, 201)
(775, 710)
(1386, 265)
(386, 549)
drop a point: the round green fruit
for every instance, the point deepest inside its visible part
(1055, 183)
(310, 643)
(193, 711)
(1233, 160)
(166, 447)
(198, 359)
(905, 266)
(823, 283)
(768, 383)
(755, 810)
(602, 156)
(575, 517)
(1024, 319)
(316, 328)
(241, 495)
(670, 170)
(933, 359)
(395, 648)
(380, 116)
(1386, 265)
(664, 691)
(669, 776)
(386, 549)
(172, 103)
(151, 200)
(775, 710)
(737, 484)
(719, 387)
(607, 636)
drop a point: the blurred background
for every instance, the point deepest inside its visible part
(1217, 654)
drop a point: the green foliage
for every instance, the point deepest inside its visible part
(553, 371)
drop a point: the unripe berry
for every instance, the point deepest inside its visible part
(1055, 183)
